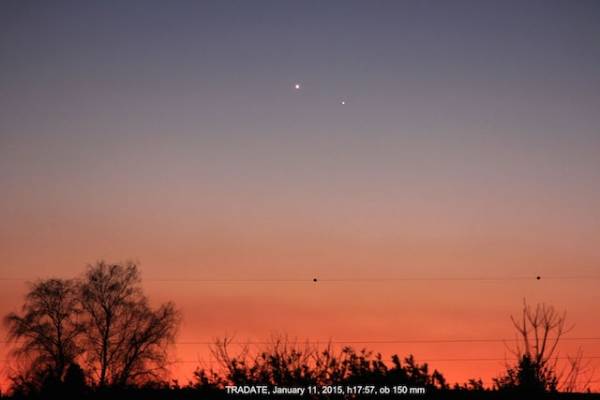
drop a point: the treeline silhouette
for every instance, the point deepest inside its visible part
(97, 337)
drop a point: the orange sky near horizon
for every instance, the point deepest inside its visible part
(366, 311)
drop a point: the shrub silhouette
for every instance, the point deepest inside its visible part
(528, 377)
(74, 383)
(289, 363)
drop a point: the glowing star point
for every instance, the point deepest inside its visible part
(297, 86)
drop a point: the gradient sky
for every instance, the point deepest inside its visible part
(170, 133)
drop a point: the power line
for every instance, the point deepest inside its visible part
(385, 341)
(368, 280)
(391, 341)
(317, 279)
(427, 360)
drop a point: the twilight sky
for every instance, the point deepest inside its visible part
(170, 133)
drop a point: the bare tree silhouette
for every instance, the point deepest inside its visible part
(48, 329)
(126, 340)
(539, 331)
